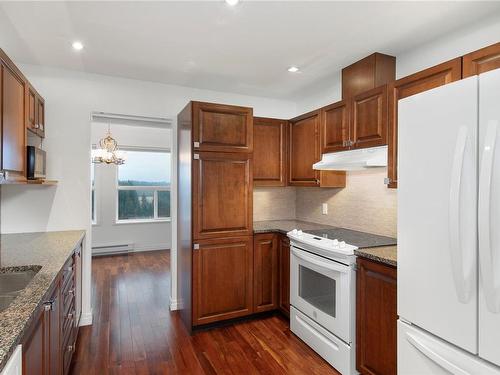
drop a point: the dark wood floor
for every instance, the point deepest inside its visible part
(135, 333)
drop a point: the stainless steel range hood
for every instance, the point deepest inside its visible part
(353, 160)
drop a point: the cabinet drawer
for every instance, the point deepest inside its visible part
(68, 296)
(68, 272)
(68, 323)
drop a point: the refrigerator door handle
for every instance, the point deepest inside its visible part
(462, 265)
(435, 357)
(486, 257)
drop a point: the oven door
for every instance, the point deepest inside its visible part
(321, 289)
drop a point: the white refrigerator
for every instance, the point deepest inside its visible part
(449, 229)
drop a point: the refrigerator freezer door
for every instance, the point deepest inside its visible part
(421, 353)
(489, 216)
(437, 212)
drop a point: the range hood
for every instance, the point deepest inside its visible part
(353, 160)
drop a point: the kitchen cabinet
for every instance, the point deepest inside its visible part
(49, 342)
(424, 80)
(222, 279)
(270, 151)
(265, 272)
(376, 318)
(368, 73)
(481, 61)
(13, 142)
(222, 128)
(35, 112)
(304, 151)
(335, 127)
(369, 118)
(284, 275)
(40, 347)
(222, 195)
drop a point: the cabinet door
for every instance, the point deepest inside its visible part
(265, 263)
(424, 80)
(304, 150)
(284, 275)
(369, 118)
(334, 130)
(40, 116)
(222, 279)
(269, 161)
(481, 61)
(222, 195)
(13, 126)
(31, 110)
(376, 318)
(54, 332)
(34, 346)
(222, 128)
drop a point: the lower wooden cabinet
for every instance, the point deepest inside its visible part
(376, 318)
(49, 342)
(265, 271)
(222, 279)
(284, 275)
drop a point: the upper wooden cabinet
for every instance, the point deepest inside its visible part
(12, 97)
(376, 318)
(368, 73)
(222, 195)
(35, 112)
(334, 128)
(369, 118)
(222, 279)
(269, 162)
(413, 84)
(304, 149)
(265, 271)
(222, 128)
(481, 61)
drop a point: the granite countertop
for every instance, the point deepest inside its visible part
(383, 254)
(46, 252)
(285, 226)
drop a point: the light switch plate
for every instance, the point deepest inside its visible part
(324, 209)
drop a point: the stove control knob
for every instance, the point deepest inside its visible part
(335, 242)
(294, 232)
(299, 233)
(341, 244)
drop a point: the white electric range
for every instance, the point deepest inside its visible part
(323, 291)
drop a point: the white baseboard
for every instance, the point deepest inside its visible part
(135, 248)
(86, 319)
(175, 304)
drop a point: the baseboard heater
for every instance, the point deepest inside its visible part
(112, 249)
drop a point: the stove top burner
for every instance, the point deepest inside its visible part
(353, 237)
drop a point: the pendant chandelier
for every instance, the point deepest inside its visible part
(107, 151)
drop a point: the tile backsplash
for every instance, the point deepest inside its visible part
(365, 204)
(273, 203)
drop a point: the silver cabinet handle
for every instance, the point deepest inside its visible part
(71, 291)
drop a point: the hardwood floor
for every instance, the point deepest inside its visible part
(135, 333)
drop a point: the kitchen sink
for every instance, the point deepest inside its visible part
(12, 283)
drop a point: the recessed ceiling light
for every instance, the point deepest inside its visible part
(232, 2)
(293, 69)
(77, 46)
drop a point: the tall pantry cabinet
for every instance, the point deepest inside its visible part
(215, 212)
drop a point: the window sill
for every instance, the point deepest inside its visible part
(145, 221)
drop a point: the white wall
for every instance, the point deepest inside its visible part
(449, 46)
(143, 236)
(70, 98)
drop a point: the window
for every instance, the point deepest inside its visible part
(144, 186)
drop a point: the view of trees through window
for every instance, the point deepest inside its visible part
(144, 186)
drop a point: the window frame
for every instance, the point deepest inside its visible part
(154, 188)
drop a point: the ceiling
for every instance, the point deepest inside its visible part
(243, 49)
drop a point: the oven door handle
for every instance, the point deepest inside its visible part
(333, 266)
